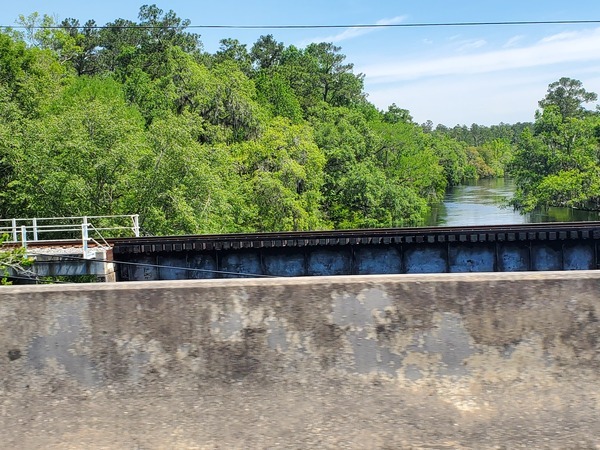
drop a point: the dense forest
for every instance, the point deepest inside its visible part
(135, 117)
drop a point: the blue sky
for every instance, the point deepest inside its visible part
(450, 75)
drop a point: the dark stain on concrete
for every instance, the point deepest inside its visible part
(14, 354)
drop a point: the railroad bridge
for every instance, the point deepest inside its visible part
(503, 248)
(530, 247)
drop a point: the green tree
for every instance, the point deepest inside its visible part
(453, 158)
(78, 45)
(394, 114)
(284, 169)
(78, 158)
(367, 198)
(568, 95)
(184, 86)
(497, 155)
(30, 76)
(187, 187)
(276, 95)
(125, 45)
(234, 108)
(11, 121)
(378, 174)
(335, 80)
(319, 73)
(73, 45)
(559, 164)
(408, 156)
(12, 261)
(266, 52)
(234, 50)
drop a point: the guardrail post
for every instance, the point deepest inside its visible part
(14, 231)
(24, 236)
(35, 229)
(136, 225)
(84, 236)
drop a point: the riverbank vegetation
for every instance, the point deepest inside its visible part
(136, 117)
(557, 163)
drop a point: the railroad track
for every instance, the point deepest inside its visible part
(483, 233)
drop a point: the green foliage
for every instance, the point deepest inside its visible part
(497, 155)
(558, 164)
(74, 46)
(334, 80)
(266, 52)
(276, 95)
(183, 86)
(318, 74)
(284, 169)
(454, 158)
(77, 158)
(488, 149)
(29, 77)
(408, 156)
(367, 198)
(234, 107)
(394, 114)
(236, 52)
(11, 260)
(135, 118)
(378, 173)
(568, 95)
(187, 187)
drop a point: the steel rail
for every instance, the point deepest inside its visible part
(551, 226)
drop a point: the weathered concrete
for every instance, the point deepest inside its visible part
(430, 361)
(49, 262)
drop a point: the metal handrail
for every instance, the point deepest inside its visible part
(71, 217)
(19, 231)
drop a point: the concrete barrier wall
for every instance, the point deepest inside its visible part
(429, 361)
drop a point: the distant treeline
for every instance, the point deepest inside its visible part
(478, 135)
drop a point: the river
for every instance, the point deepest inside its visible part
(484, 203)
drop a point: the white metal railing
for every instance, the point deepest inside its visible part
(44, 229)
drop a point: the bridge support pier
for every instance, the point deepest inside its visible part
(73, 264)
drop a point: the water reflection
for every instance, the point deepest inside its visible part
(484, 203)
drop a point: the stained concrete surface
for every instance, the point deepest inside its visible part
(463, 361)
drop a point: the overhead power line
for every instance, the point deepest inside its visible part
(295, 27)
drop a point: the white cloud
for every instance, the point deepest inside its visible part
(463, 100)
(578, 47)
(471, 45)
(352, 33)
(392, 21)
(560, 36)
(349, 33)
(485, 99)
(513, 41)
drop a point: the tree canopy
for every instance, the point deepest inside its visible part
(136, 117)
(569, 96)
(558, 162)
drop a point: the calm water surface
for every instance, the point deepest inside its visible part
(484, 203)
